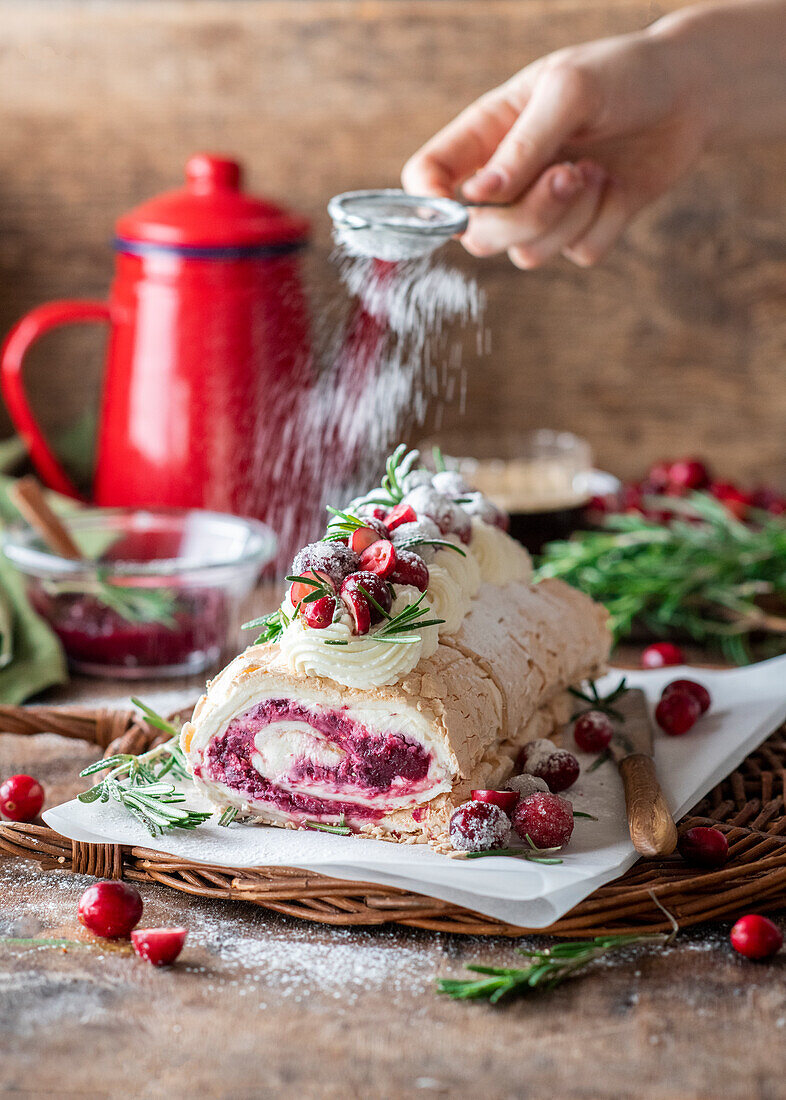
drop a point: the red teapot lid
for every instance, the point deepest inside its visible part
(211, 212)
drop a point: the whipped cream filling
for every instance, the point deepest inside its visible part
(361, 660)
(499, 557)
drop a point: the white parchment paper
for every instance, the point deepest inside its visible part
(748, 704)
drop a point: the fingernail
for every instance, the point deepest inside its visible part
(566, 182)
(487, 180)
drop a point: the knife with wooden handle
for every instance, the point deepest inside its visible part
(651, 825)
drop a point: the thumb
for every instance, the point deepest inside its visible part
(555, 111)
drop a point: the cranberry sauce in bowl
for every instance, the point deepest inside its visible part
(158, 593)
(318, 762)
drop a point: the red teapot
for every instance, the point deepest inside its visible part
(208, 350)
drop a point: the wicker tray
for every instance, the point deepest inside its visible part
(749, 806)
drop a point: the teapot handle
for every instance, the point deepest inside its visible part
(33, 325)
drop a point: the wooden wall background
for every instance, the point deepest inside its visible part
(675, 344)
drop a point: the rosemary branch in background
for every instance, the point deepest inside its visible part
(704, 575)
(131, 602)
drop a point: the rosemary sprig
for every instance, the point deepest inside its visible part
(272, 626)
(398, 465)
(400, 628)
(532, 853)
(548, 967)
(342, 829)
(342, 525)
(228, 816)
(439, 459)
(703, 575)
(132, 603)
(406, 544)
(596, 701)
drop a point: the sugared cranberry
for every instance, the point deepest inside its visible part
(526, 784)
(422, 532)
(160, 946)
(475, 504)
(379, 558)
(547, 819)
(319, 614)
(593, 731)
(756, 937)
(21, 798)
(661, 654)
(450, 482)
(330, 560)
(110, 909)
(677, 713)
(402, 513)
(688, 474)
(558, 768)
(299, 590)
(704, 846)
(506, 800)
(372, 511)
(698, 691)
(428, 502)
(355, 592)
(363, 537)
(410, 569)
(478, 826)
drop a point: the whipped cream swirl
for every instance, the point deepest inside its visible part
(501, 559)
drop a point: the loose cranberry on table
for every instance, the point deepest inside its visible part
(593, 731)
(756, 937)
(526, 784)
(410, 569)
(662, 655)
(110, 909)
(478, 827)
(506, 800)
(160, 946)
(557, 767)
(704, 847)
(698, 691)
(547, 819)
(21, 798)
(319, 614)
(677, 713)
(380, 558)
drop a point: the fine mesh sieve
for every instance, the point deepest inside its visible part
(392, 225)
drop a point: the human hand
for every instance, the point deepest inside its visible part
(575, 145)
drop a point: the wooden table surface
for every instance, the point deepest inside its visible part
(265, 1006)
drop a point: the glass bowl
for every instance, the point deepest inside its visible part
(159, 593)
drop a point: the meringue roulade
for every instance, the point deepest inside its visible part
(409, 662)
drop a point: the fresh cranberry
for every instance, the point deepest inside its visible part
(677, 713)
(160, 946)
(402, 513)
(331, 560)
(593, 731)
(506, 800)
(547, 819)
(355, 592)
(631, 499)
(688, 474)
(461, 525)
(451, 483)
(372, 511)
(526, 784)
(756, 937)
(658, 476)
(298, 590)
(661, 654)
(735, 500)
(558, 769)
(319, 614)
(21, 798)
(478, 826)
(110, 909)
(769, 500)
(410, 569)
(704, 846)
(359, 609)
(363, 537)
(379, 558)
(698, 691)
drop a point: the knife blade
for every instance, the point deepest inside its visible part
(651, 825)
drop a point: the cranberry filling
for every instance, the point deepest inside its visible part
(373, 762)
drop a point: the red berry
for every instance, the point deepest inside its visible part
(558, 768)
(661, 654)
(402, 513)
(160, 946)
(688, 474)
(658, 476)
(478, 826)
(110, 909)
(677, 713)
(379, 558)
(698, 691)
(371, 585)
(506, 800)
(756, 937)
(593, 731)
(547, 819)
(704, 846)
(331, 560)
(363, 537)
(21, 798)
(359, 609)
(300, 589)
(410, 569)
(319, 614)
(770, 500)
(732, 498)
(631, 499)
